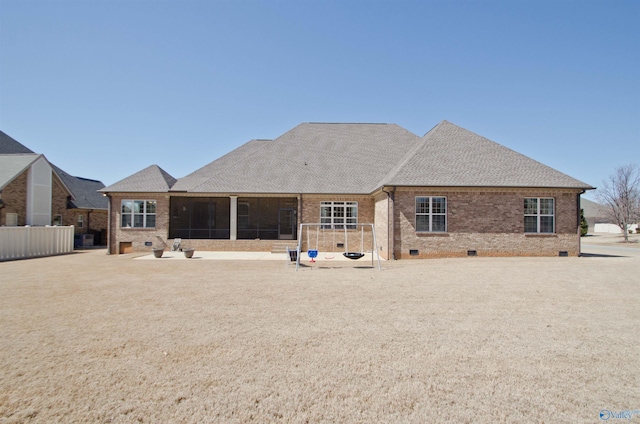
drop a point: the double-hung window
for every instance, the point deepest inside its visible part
(431, 214)
(338, 214)
(539, 215)
(138, 214)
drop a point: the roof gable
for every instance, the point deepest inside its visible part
(12, 165)
(149, 180)
(452, 156)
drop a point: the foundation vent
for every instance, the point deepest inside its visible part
(472, 253)
(414, 252)
(563, 253)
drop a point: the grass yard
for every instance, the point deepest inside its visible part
(107, 339)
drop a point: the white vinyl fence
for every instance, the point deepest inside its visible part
(612, 228)
(31, 242)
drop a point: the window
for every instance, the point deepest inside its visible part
(80, 221)
(539, 215)
(431, 214)
(138, 214)
(337, 214)
(57, 220)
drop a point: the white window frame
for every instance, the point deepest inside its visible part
(539, 215)
(337, 214)
(430, 214)
(145, 214)
(80, 221)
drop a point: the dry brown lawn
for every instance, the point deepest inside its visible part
(95, 338)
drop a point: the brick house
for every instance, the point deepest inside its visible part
(35, 192)
(449, 193)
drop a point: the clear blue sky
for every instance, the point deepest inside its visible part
(107, 88)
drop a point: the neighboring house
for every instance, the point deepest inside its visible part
(449, 193)
(36, 192)
(599, 220)
(595, 214)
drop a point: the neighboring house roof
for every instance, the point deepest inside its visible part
(9, 145)
(594, 211)
(84, 191)
(150, 179)
(15, 158)
(359, 159)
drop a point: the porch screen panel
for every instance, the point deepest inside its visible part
(258, 216)
(199, 218)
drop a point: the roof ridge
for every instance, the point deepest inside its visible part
(349, 123)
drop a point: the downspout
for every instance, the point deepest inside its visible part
(86, 230)
(299, 219)
(108, 223)
(578, 223)
(390, 222)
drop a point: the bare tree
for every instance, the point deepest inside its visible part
(620, 194)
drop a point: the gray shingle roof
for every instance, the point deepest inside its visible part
(357, 159)
(593, 211)
(84, 191)
(151, 179)
(219, 165)
(314, 158)
(9, 145)
(15, 158)
(452, 156)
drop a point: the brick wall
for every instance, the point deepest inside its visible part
(14, 196)
(490, 222)
(139, 236)
(59, 203)
(328, 240)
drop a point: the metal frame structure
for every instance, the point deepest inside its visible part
(374, 250)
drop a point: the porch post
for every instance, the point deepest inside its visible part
(233, 218)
